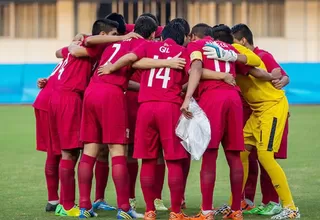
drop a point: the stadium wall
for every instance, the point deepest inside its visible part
(18, 82)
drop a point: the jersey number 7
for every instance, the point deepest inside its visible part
(165, 77)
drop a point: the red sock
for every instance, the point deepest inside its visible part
(85, 175)
(176, 184)
(236, 178)
(147, 180)
(185, 169)
(160, 174)
(251, 185)
(101, 174)
(120, 178)
(208, 177)
(68, 188)
(269, 194)
(52, 176)
(133, 168)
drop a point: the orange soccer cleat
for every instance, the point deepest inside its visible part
(201, 216)
(151, 215)
(234, 215)
(178, 216)
(245, 206)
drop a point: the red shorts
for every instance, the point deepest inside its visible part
(133, 106)
(224, 111)
(42, 130)
(105, 117)
(156, 123)
(65, 119)
(283, 150)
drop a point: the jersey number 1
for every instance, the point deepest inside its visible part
(165, 77)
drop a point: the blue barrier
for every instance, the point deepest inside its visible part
(18, 82)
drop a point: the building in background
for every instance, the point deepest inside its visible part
(35, 28)
(32, 30)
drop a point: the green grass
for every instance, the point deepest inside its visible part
(22, 183)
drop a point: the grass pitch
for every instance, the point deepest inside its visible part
(22, 184)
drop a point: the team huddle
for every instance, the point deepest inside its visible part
(121, 91)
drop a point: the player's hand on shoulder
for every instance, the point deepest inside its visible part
(185, 109)
(228, 78)
(214, 51)
(177, 63)
(105, 69)
(79, 37)
(41, 83)
(132, 35)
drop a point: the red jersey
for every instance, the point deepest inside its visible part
(111, 54)
(136, 77)
(268, 60)
(196, 53)
(162, 84)
(75, 73)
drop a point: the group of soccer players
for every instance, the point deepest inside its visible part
(121, 91)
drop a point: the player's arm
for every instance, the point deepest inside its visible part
(213, 75)
(77, 51)
(264, 75)
(133, 86)
(103, 39)
(247, 56)
(149, 63)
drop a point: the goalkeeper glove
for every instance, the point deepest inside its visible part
(214, 51)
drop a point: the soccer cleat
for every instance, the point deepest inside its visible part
(234, 215)
(246, 206)
(201, 216)
(102, 205)
(133, 203)
(74, 212)
(271, 209)
(131, 214)
(50, 207)
(151, 215)
(287, 213)
(223, 210)
(255, 210)
(158, 203)
(87, 213)
(178, 216)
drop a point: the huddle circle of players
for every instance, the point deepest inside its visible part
(121, 91)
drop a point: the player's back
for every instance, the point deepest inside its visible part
(195, 48)
(74, 73)
(164, 84)
(111, 54)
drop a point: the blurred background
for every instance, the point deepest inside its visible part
(32, 30)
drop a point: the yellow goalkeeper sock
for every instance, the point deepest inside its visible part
(278, 178)
(245, 163)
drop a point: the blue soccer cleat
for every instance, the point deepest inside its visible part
(87, 213)
(102, 205)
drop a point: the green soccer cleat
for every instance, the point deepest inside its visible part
(271, 209)
(255, 210)
(158, 203)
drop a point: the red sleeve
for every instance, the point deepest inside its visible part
(194, 52)
(129, 28)
(271, 63)
(242, 69)
(65, 52)
(140, 50)
(96, 50)
(159, 31)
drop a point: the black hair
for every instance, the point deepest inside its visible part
(223, 33)
(120, 19)
(184, 23)
(145, 26)
(105, 25)
(240, 31)
(174, 31)
(201, 30)
(151, 16)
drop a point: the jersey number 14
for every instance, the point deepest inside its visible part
(165, 77)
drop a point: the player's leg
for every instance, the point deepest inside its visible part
(186, 168)
(160, 175)
(101, 176)
(133, 169)
(272, 124)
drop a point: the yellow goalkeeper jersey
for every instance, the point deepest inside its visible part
(260, 95)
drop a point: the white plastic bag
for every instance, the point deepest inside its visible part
(196, 132)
